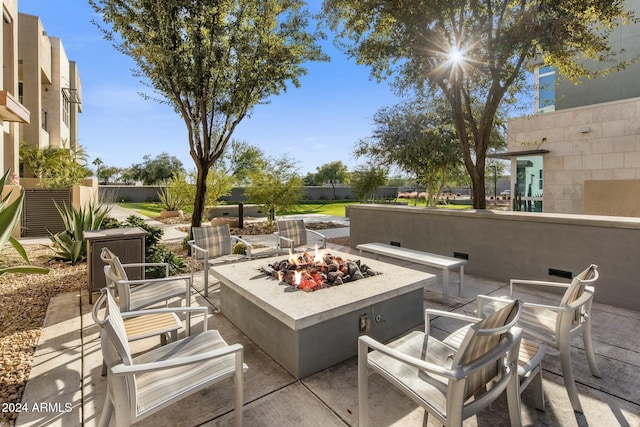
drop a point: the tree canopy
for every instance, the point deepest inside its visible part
(276, 186)
(418, 138)
(156, 170)
(212, 61)
(367, 179)
(474, 52)
(333, 173)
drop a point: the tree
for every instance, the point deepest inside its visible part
(56, 167)
(212, 61)
(107, 172)
(98, 162)
(311, 179)
(241, 159)
(474, 53)
(333, 173)
(157, 170)
(367, 179)
(419, 138)
(276, 186)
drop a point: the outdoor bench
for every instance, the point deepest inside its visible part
(442, 262)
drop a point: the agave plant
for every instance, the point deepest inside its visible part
(70, 244)
(9, 216)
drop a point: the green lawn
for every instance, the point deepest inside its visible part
(336, 209)
(150, 209)
(325, 208)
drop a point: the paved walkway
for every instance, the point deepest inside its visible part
(66, 376)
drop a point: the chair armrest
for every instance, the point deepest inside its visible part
(122, 369)
(246, 244)
(428, 313)
(196, 248)
(158, 280)
(410, 360)
(286, 239)
(149, 264)
(322, 236)
(482, 299)
(537, 283)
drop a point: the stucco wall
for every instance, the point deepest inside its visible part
(504, 245)
(594, 143)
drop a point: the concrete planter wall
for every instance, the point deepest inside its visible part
(502, 245)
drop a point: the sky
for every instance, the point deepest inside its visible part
(318, 123)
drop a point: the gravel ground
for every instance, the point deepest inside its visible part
(23, 305)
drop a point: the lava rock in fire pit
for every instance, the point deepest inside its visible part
(310, 273)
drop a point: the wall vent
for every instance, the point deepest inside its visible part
(560, 273)
(461, 255)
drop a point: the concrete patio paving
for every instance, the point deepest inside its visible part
(66, 375)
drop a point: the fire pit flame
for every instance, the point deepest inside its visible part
(310, 273)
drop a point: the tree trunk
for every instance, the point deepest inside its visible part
(201, 190)
(479, 193)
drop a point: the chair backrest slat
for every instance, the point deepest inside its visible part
(293, 229)
(579, 282)
(110, 258)
(481, 338)
(113, 324)
(215, 239)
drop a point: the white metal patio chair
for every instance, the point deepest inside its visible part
(214, 245)
(141, 293)
(292, 233)
(139, 386)
(450, 383)
(557, 325)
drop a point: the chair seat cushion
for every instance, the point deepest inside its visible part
(151, 293)
(158, 387)
(430, 390)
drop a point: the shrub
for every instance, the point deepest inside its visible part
(70, 245)
(170, 200)
(239, 249)
(154, 252)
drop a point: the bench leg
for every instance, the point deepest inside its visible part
(461, 286)
(445, 286)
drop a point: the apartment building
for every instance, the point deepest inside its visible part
(50, 87)
(12, 111)
(579, 152)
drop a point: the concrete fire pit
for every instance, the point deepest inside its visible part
(307, 332)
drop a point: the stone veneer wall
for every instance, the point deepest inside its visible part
(610, 150)
(504, 245)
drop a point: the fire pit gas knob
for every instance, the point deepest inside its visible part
(379, 319)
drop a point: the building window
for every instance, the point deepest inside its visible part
(66, 106)
(20, 92)
(545, 89)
